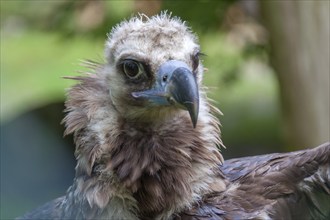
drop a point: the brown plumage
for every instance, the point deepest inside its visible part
(147, 142)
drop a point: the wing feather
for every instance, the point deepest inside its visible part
(295, 185)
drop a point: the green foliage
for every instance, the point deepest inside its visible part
(246, 91)
(32, 67)
(203, 15)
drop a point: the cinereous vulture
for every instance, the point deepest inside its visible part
(147, 142)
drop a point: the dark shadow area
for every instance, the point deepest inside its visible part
(37, 163)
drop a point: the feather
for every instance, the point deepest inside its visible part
(138, 159)
(291, 185)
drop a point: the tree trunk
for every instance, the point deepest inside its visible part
(299, 36)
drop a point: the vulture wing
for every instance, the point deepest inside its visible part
(293, 185)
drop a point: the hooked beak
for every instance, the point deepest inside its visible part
(175, 85)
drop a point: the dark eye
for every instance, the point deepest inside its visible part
(132, 68)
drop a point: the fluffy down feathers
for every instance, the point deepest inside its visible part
(143, 159)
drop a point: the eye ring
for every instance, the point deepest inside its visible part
(132, 68)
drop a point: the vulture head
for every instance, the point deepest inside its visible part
(147, 142)
(154, 70)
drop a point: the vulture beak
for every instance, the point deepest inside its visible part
(175, 85)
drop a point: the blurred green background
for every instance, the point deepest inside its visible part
(42, 41)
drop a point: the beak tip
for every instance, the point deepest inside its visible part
(194, 124)
(193, 112)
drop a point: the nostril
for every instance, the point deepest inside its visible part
(165, 78)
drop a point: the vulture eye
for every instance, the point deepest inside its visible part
(132, 68)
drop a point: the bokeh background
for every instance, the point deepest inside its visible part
(268, 71)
